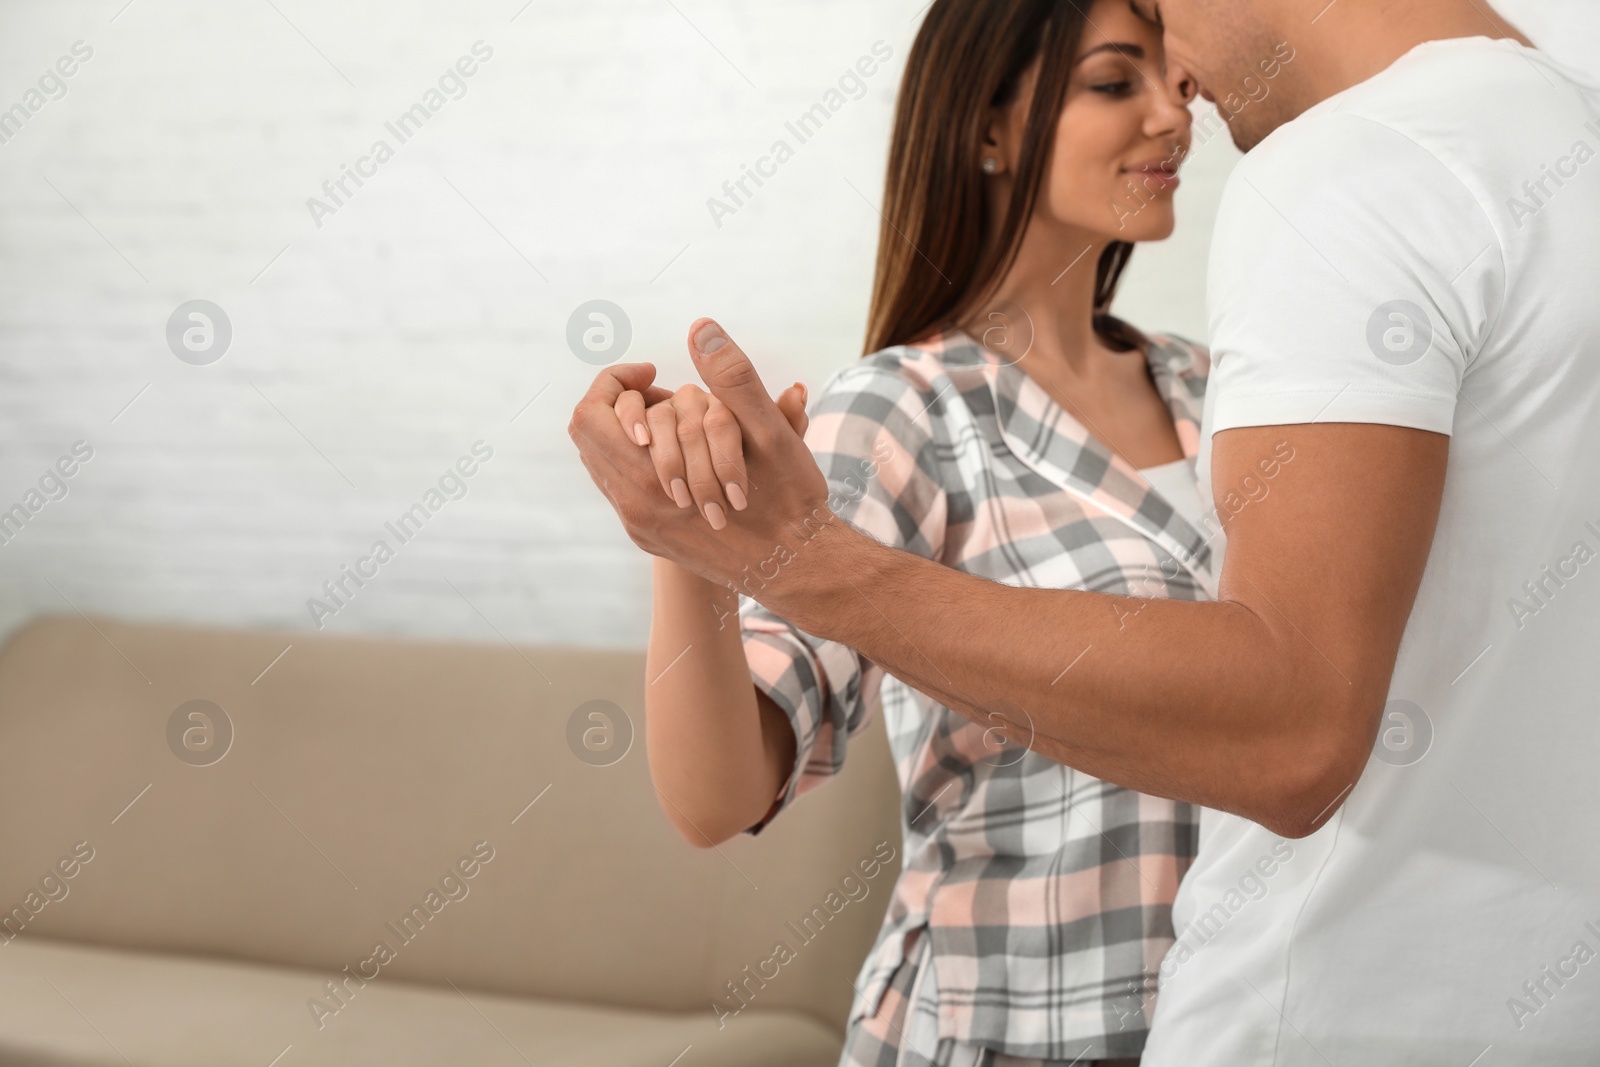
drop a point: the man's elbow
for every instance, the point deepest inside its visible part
(1312, 785)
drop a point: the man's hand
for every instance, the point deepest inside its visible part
(1264, 703)
(787, 493)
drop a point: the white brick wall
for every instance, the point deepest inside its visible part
(368, 354)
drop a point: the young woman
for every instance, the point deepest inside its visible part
(1008, 425)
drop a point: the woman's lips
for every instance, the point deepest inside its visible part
(1154, 175)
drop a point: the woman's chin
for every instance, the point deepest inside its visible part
(1157, 224)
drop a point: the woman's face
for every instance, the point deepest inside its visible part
(1122, 133)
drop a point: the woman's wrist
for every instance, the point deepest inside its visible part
(693, 595)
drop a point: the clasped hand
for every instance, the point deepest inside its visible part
(713, 479)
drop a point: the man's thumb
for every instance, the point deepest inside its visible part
(731, 377)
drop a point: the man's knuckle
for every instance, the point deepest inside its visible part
(737, 374)
(630, 511)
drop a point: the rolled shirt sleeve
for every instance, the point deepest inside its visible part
(873, 433)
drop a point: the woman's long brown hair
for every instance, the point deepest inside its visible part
(937, 261)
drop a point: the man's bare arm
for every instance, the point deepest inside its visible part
(1264, 703)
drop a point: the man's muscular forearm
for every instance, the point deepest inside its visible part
(1199, 701)
(1264, 703)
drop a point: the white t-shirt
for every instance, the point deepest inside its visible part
(1423, 250)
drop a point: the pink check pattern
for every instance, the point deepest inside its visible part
(1046, 893)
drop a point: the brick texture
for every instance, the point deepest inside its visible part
(373, 346)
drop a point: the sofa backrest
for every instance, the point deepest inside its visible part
(363, 774)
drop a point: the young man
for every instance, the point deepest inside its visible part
(1402, 303)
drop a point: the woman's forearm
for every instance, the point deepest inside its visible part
(719, 749)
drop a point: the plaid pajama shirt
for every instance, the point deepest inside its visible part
(1045, 894)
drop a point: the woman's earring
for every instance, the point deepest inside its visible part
(990, 166)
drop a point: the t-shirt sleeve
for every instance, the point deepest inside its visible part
(1353, 278)
(872, 431)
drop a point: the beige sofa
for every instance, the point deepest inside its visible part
(164, 906)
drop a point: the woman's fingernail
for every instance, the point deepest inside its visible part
(735, 496)
(715, 516)
(680, 493)
(802, 387)
(709, 338)
(641, 434)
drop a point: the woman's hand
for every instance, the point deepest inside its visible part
(696, 447)
(787, 510)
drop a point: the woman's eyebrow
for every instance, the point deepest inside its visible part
(1132, 51)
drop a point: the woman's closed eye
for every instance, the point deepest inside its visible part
(1112, 74)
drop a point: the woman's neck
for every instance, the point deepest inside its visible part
(1044, 309)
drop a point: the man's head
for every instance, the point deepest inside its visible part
(1241, 52)
(1263, 62)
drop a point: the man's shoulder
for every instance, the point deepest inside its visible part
(1460, 102)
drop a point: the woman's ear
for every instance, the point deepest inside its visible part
(1004, 125)
(994, 156)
